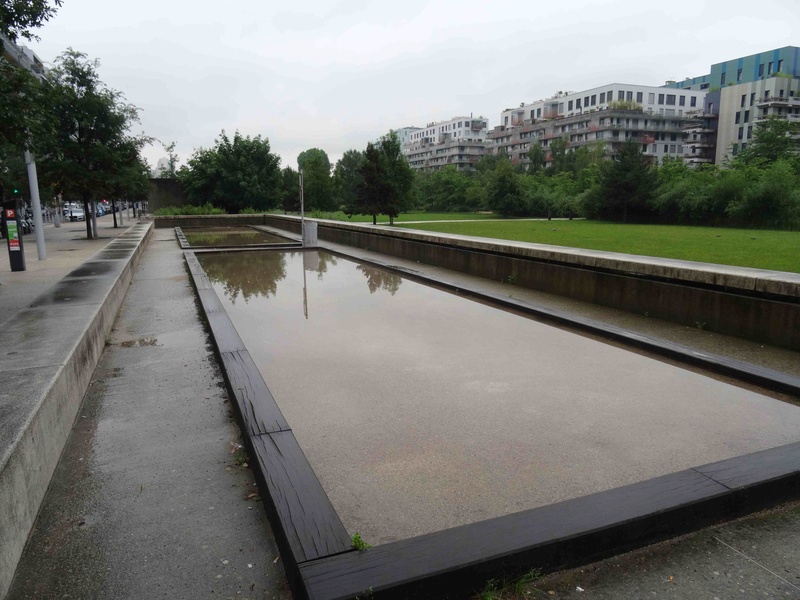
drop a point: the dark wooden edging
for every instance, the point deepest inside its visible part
(305, 523)
(744, 371)
(569, 533)
(321, 565)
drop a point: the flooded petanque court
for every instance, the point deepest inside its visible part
(420, 410)
(218, 237)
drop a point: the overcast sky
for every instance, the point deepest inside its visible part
(336, 75)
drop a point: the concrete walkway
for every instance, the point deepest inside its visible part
(148, 500)
(152, 497)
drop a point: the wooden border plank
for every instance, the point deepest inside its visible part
(550, 537)
(257, 406)
(308, 524)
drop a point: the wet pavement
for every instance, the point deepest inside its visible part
(229, 236)
(152, 496)
(129, 513)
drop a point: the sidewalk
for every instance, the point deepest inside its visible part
(150, 497)
(66, 248)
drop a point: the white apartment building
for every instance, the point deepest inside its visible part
(608, 115)
(460, 142)
(743, 106)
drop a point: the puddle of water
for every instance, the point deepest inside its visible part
(145, 341)
(226, 236)
(421, 410)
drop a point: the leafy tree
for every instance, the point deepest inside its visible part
(375, 186)
(347, 178)
(91, 146)
(558, 155)
(237, 173)
(18, 17)
(317, 182)
(387, 180)
(401, 177)
(504, 194)
(536, 156)
(446, 190)
(172, 161)
(774, 139)
(290, 190)
(626, 184)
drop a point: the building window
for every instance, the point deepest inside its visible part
(749, 132)
(747, 116)
(760, 70)
(672, 148)
(569, 105)
(661, 98)
(752, 98)
(651, 98)
(578, 103)
(741, 133)
(673, 137)
(739, 75)
(602, 97)
(666, 148)
(722, 78)
(620, 95)
(693, 101)
(744, 99)
(629, 96)
(640, 97)
(538, 113)
(704, 86)
(780, 65)
(769, 68)
(594, 99)
(738, 118)
(670, 99)
(682, 101)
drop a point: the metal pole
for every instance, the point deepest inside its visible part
(302, 212)
(38, 225)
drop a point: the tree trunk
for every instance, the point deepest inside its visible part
(391, 220)
(86, 220)
(114, 211)
(374, 219)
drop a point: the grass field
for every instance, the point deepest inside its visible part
(775, 250)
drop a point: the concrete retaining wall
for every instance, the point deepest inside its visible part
(749, 303)
(51, 350)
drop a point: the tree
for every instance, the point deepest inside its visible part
(91, 146)
(375, 185)
(536, 158)
(401, 177)
(290, 190)
(627, 182)
(774, 139)
(559, 161)
(386, 180)
(18, 17)
(504, 193)
(172, 161)
(346, 179)
(317, 182)
(237, 173)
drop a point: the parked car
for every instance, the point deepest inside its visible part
(74, 213)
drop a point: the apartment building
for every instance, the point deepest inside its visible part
(607, 115)
(460, 141)
(744, 91)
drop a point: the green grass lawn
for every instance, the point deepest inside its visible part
(775, 250)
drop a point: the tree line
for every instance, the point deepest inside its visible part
(759, 187)
(77, 127)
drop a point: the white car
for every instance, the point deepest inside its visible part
(74, 213)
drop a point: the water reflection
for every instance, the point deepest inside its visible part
(249, 274)
(323, 261)
(230, 237)
(380, 280)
